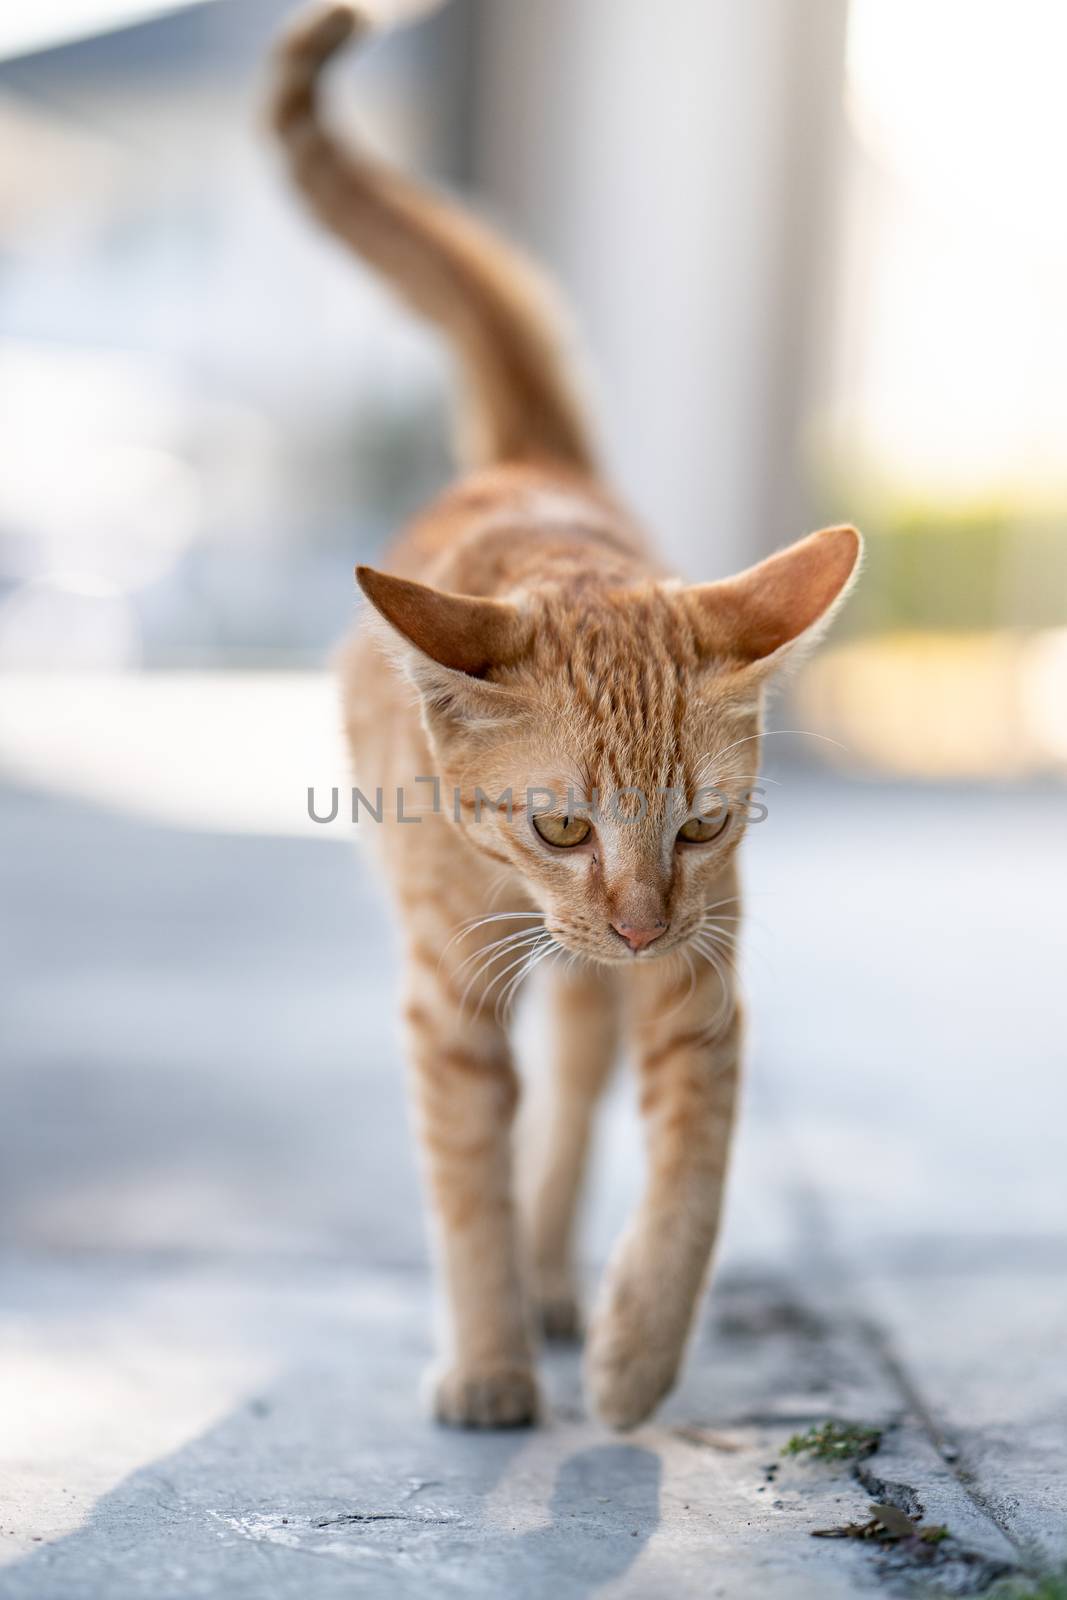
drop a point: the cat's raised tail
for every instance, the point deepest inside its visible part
(490, 304)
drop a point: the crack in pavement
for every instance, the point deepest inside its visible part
(949, 1451)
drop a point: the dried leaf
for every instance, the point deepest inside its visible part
(894, 1521)
(888, 1523)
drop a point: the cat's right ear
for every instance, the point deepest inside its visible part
(462, 632)
(449, 644)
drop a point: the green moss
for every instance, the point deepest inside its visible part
(835, 1441)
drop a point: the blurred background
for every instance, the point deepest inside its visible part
(816, 262)
(817, 256)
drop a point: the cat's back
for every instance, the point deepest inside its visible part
(512, 525)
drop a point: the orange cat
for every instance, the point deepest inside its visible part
(576, 707)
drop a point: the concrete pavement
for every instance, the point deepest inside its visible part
(214, 1306)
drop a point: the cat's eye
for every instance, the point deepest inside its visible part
(701, 830)
(563, 832)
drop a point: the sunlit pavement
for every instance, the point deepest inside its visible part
(215, 1306)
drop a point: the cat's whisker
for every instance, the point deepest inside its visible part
(727, 951)
(729, 1000)
(757, 924)
(725, 941)
(487, 956)
(501, 881)
(465, 929)
(722, 933)
(523, 947)
(705, 941)
(516, 933)
(531, 960)
(767, 733)
(575, 958)
(688, 995)
(707, 761)
(481, 960)
(501, 1009)
(498, 916)
(554, 948)
(518, 953)
(729, 976)
(495, 916)
(516, 939)
(707, 920)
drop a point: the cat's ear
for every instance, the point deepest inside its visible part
(458, 639)
(763, 615)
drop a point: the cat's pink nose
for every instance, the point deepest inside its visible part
(639, 938)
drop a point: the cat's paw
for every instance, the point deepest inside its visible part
(560, 1316)
(490, 1397)
(628, 1370)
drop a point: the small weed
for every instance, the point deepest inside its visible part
(835, 1441)
(1053, 1587)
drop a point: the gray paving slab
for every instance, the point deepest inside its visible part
(985, 1348)
(323, 1476)
(214, 1302)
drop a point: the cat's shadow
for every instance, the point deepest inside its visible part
(604, 1510)
(307, 1470)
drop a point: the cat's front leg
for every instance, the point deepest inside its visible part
(466, 1092)
(688, 1056)
(585, 1006)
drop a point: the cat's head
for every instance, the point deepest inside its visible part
(604, 742)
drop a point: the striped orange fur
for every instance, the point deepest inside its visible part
(525, 640)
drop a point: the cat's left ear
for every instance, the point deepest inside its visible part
(771, 612)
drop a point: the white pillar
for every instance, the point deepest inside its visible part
(667, 162)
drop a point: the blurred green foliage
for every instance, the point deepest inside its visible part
(967, 566)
